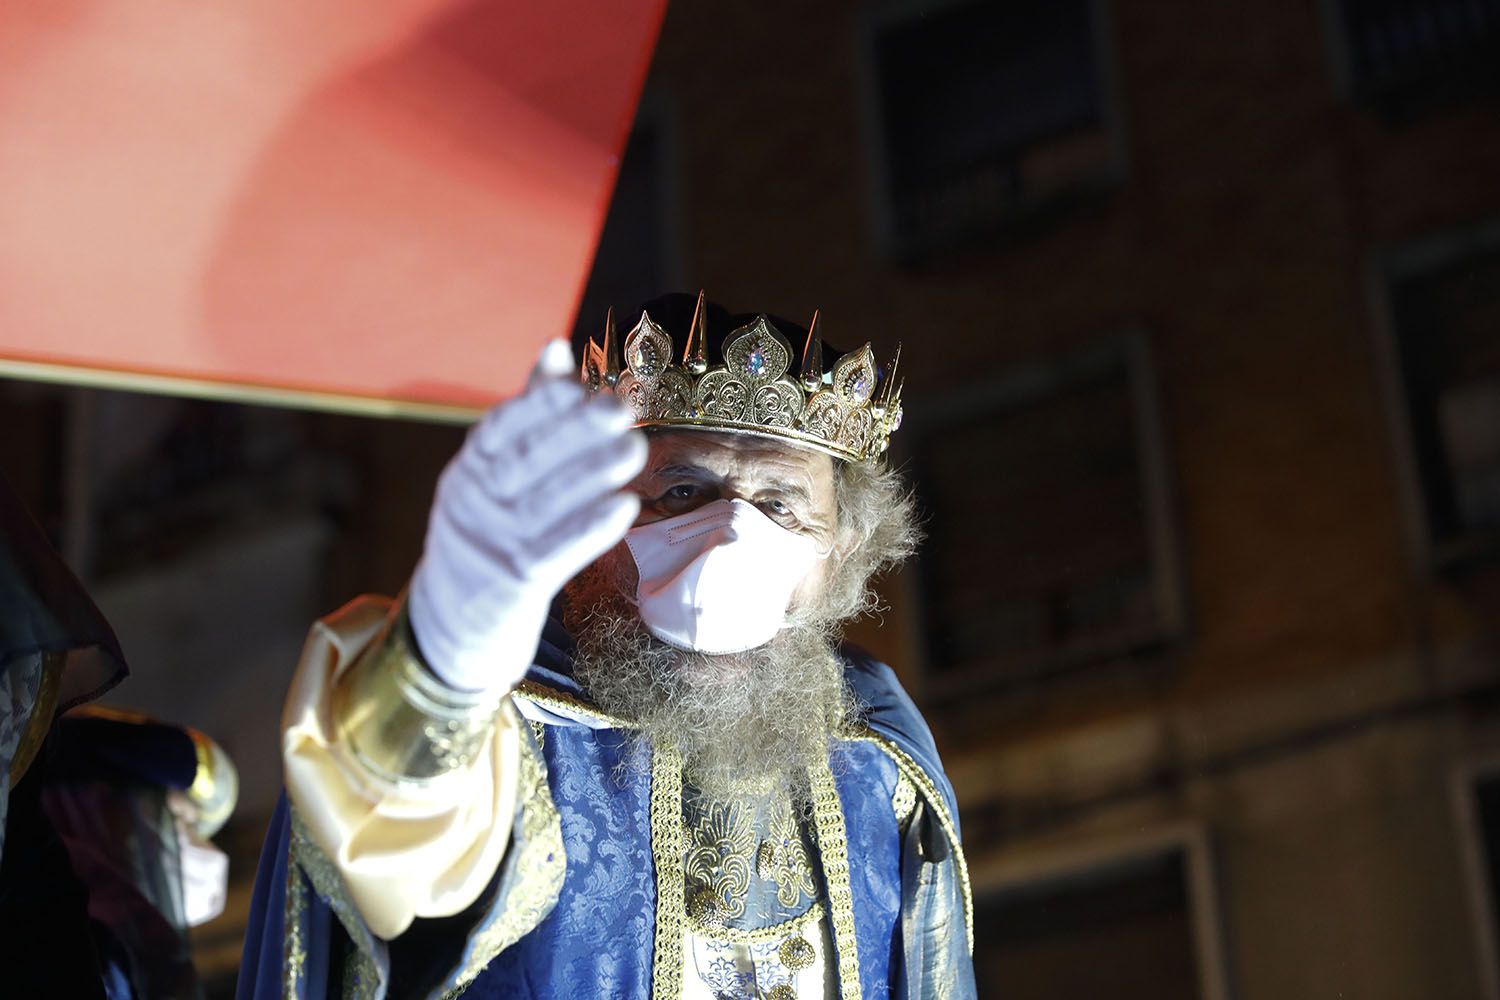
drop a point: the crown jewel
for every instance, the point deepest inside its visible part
(848, 412)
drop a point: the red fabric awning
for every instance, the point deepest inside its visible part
(356, 201)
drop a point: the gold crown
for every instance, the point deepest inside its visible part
(837, 412)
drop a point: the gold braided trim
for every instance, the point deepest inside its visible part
(39, 722)
(546, 697)
(294, 948)
(833, 848)
(328, 883)
(759, 935)
(540, 863)
(667, 848)
(903, 800)
(918, 777)
(354, 986)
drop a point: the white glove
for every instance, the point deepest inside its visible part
(533, 496)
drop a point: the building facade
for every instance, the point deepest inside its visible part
(1201, 306)
(1201, 315)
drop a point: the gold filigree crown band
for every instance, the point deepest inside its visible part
(848, 411)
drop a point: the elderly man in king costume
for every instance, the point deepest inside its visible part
(609, 743)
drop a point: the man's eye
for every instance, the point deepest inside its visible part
(776, 508)
(681, 498)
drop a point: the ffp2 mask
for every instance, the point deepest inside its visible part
(718, 579)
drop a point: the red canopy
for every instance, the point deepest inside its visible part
(379, 205)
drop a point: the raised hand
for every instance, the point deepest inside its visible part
(534, 495)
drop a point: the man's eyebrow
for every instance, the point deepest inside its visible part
(792, 489)
(680, 471)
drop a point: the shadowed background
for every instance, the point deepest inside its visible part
(1201, 313)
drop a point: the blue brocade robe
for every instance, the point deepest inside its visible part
(574, 909)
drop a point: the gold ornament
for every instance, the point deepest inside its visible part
(705, 910)
(752, 391)
(719, 843)
(782, 859)
(796, 953)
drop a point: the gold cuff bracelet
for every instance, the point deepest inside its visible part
(401, 722)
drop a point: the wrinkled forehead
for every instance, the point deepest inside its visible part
(743, 459)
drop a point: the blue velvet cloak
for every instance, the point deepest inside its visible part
(593, 936)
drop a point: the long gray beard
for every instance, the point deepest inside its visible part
(747, 724)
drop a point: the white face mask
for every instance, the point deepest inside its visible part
(205, 878)
(718, 579)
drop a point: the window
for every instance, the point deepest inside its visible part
(1444, 310)
(1487, 812)
(171, 476)
(987, 113)
(32, 460)
(1404, 55)
(1145, 920)
(1049, 541)
(1476, 789)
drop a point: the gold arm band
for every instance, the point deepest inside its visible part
(216, 785)
(402, 723)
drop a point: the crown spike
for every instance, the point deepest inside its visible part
(583, 366)
(812, 356)
(614, 362)
(888, 395)
(695, 355)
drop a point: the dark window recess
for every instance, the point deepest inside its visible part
(1487, 811)
(990, 112)
(1447, 323)
(181, 473)
(630, 265)
(1407, 55)
(1132, 923)
(33, 446)
(1041, 555)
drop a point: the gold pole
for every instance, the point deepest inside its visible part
(236, 392)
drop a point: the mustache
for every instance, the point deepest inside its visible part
(745, 724)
